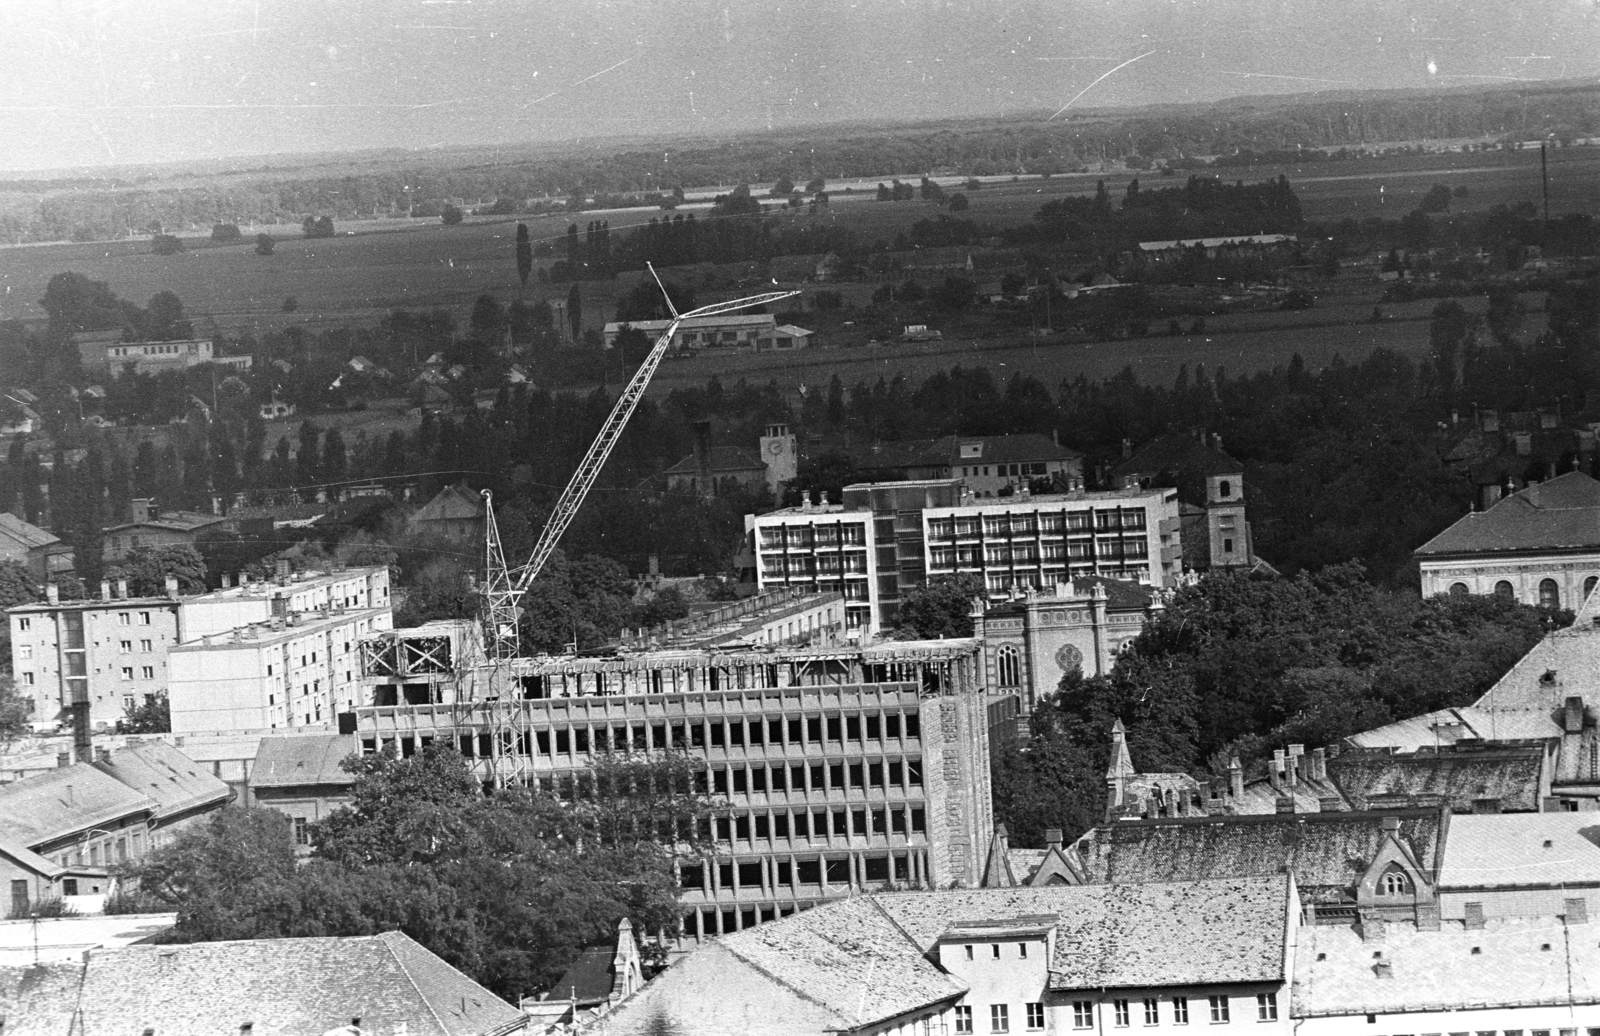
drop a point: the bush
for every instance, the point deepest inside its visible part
(450, 215)
(226, 232)
(958, 202)
(52, 907)
(166, 244)
(290, 304)
(134, 901)
(314, 227)
(264, 244)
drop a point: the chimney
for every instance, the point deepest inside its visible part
(1055, 436)
(63, 760)
(105, 589)
(52, 593)
(1391, 825)
(1383, 969)
(1572, 715)
(1472, 918)
(1127, 448)
(122, 589)
(1052, 839)
(1491, 420)
(1275, 775)
(1319, 764)
(1576, 910)
(280, 571)
(72, 800)
(702, 446)
(171, 583)
(1296, 760)
(655, 566)
(216, 504)
(225, 580)
(1235, 779)
(102, 755)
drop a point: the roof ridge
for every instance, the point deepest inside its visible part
(785, 983)
(383, 939)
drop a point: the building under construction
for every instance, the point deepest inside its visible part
(834, 768)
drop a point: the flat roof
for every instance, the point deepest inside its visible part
(261, 634)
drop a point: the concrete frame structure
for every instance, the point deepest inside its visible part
(835, 770)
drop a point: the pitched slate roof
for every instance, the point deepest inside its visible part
(40, 999)
(1500, 849)
(1177, 453)
(63, 801)
(283, 762)
(1327, 852)
(452, 502)
(1510, 774)
(589, 978)
(172, 521)
(299, 986)
(1116, 936)
(1561, 514)
(1509, 962)
(175, 782)
(25, 534)
(722, 459)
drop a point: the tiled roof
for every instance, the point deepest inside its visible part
(20, 854)
(25, 534)
(848, 956)
(1175, 453)
(1565, 663)
(175, 782)
(1181, 933)
(589, 979)
(172, 521)
(288, 986)
(1561, 514)
(1500, 849)
(297, 761)
(452, 502)
(723, 459)
(1447, 726)
(1509, 774)
(63, 801)
(40, 999)
(1327, 852)
(1509, 962)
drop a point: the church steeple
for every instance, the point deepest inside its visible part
(1119, 770)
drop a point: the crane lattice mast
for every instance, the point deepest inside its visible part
(503, 587)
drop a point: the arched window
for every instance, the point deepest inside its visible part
(1395, 882)
(1009, 662)
(1549, 594)
(1224, 488)
(1503, 588)
(1588, 586)
(1459, 589)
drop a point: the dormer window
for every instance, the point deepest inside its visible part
(1224, 488)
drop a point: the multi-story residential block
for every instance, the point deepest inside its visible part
(1540, 546)
(888, 537)
(834, 769)
(110, 653)
(284, 673)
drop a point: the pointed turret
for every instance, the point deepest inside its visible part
(1119, 771)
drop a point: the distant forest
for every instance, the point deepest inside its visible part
(1242, 132)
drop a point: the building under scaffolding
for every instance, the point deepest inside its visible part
(834, 769)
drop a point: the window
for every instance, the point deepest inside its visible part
(1000, 1018)
(145, 646)
(147, 672)
(1549, 594)
(25, 651)
(27, 679)
(1589, 585)
(1227, 546)
(1219, 1010)
(1009, 664)
(1503, 589)
(144, 618)
(24, 625)
(1152, 1011)
(126, 647)
(963, 1019)
(1394, 882)
(301, 836)
(1224, 489)
(124, 618)
(1035, 1017)
(1119, 1013)
(127, 672)
(994, 950)
(1180, 1010)
(969, 952)
(1083, 1014)
(1459, 590)
(1266, 1007)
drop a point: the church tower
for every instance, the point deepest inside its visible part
(780, 452)
(1226, 527)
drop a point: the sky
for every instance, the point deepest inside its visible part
(87, 83)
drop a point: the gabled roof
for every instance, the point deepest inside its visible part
(174, 521)
(283, 762)
(25, 534)
(723, 459)
(61, 802)
(1561, 514)
(1509, 774)
(1494, 850)
(452, 503)
(27, 859)
(1327, 852)
(290, 986)
(176, 783)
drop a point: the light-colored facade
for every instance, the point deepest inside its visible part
(154, 357)
(729, 331)
(299, 672)
(835, 770)
(890, 537)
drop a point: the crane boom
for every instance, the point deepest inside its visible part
(504, 588)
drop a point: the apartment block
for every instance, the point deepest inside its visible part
(886, 538)
(281, 674)
(833, 770)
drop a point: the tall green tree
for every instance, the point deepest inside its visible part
(575, 310)
(524, 254)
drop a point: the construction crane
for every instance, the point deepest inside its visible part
(504, 587)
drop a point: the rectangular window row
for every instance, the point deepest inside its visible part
(900, 774)
(805, 825)
(805, 731)
(1218, 1011)
(770, 876)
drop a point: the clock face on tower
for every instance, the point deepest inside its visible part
(775, 449)
(1069, 658)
